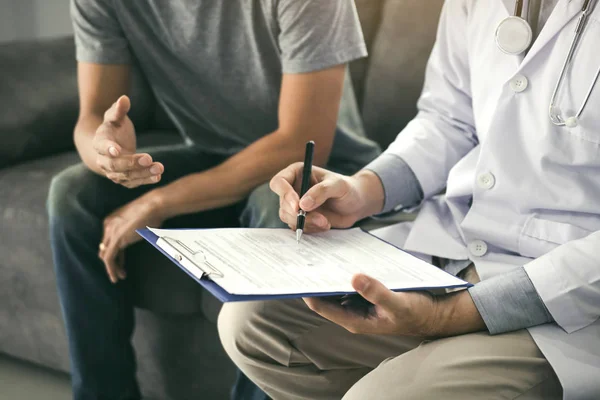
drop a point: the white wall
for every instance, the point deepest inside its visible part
(28, 19)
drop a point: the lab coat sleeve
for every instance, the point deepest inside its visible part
(443, 130)
(568, 281)
(400, 185)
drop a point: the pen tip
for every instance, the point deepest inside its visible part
(298, 235)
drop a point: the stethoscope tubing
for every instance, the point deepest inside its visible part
(556, 119)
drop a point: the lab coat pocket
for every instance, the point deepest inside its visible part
(540, 236)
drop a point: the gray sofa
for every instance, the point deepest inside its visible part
(178, 350)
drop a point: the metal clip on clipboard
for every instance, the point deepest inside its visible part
(184, 252)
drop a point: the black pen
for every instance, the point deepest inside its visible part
(306, 174)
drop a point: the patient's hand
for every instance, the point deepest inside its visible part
(115, 145)
(119, 232)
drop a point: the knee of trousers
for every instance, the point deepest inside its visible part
(262, 209)
(386, 386)
(64, 198)
(257, 333)
(237, 332)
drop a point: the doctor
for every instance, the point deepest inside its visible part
(509, 126)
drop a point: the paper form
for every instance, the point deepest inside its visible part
(270, 261)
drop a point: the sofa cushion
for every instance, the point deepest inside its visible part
(38, 99)
(31, 326)
(396, 68)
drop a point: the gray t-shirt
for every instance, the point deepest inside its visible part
(216, 66)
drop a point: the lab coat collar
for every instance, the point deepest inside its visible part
(510, 6)
(564, 12)
(576, 4)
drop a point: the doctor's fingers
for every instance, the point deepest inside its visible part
(290, 202)
(334, 187)
(290, 178)
(283, 182)
(286, 184)
(314, 222)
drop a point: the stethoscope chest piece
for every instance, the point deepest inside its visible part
(513, 35)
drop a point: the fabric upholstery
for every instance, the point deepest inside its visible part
(369, 13)
(38, 98)
(37, 114)
(30, 321)
(397, 64)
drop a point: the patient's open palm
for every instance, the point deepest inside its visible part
(115, 144)
(118, 128)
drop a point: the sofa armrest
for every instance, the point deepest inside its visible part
(39, 102)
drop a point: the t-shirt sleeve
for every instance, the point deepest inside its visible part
(98, 35)
(318, 34)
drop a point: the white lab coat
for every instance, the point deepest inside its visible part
(483, 132)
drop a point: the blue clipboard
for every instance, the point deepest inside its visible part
(226, 297)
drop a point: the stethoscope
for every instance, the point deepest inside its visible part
(514, 36)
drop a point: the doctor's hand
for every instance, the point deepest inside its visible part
(119, 232)
(417, 314)
(115, 146)
(333, 201)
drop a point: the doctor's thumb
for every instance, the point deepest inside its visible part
(371, 289)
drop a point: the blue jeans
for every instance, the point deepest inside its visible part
(102, 356)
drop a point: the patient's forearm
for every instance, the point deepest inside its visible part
(234, 179)
(84, 135)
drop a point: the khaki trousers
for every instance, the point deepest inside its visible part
(293, 353)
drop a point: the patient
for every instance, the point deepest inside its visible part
(246, 83)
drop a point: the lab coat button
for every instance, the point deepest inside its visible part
(478, 248)
(519, 83)
(486, 181)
